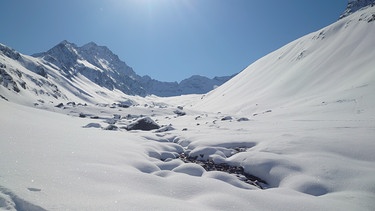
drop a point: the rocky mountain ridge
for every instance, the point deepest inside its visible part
(103, 67)
(355, 5)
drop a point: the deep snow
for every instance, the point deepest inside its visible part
(308, 165)
(309, 134)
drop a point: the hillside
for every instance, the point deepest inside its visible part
(329, 69)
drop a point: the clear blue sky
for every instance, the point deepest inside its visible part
(167, 39)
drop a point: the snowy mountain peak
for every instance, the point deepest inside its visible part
(355, 5)
(90, 45)
(96, 50)
(101, 66)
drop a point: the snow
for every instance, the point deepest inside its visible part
(89, 65)
(309, 136)
(308, 164)
(316, 68)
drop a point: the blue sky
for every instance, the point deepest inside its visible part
(169, 40)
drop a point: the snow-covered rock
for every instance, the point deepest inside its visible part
(145, 123)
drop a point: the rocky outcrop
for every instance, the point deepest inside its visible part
(355, 5)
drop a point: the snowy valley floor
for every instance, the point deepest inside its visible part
(52, 159)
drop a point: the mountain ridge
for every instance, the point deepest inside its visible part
(98, 62)
(355, 5)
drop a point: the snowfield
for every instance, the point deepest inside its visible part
(51, 160)
(293, 131)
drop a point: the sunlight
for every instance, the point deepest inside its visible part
(159, 7)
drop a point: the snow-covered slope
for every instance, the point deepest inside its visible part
(326, 70)
(28, 80)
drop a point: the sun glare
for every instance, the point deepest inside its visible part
(161, 5)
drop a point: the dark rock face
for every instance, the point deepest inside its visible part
(145, 123)
(7, 81)
(354, 5)
(11, 53)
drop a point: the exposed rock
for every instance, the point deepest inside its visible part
(226, 118)
(71, 104)
(7, 81)
(117, 116)
(60, 105)
(165, 129)
(179, 112)
(23, 84)
(126, 104)
(145, 123)
(11, 53)
(238, 171)
(4, 98)
(242, 119)
(355, 5)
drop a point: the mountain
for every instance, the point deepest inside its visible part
(332, 66)
(194, 85)
(355, 5)
(26, 79)
(201, 85)
(96, 63)
(88, 73)
(103, 67)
